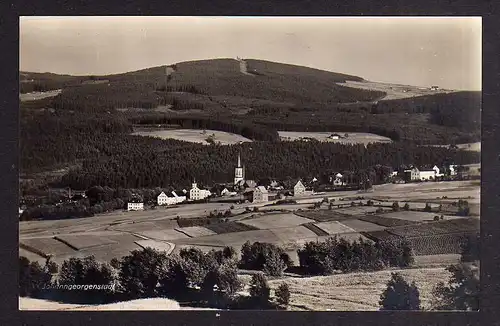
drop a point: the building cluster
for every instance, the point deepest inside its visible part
(249, 190)
(413, 173)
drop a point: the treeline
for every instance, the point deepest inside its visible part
(236, 126)
(147, 166)
(413, 128)
(211, 279)
(48, 139)
(203, 279)
(324, 258)
(43, 82)
(461, 110)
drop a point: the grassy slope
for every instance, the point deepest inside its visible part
(279, 82)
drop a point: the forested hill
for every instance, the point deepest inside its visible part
(92, 118)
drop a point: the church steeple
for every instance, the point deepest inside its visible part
(239, 172)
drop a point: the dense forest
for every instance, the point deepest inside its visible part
(89, 124)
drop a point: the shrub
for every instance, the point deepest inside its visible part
(259, 288)
(436, 218)
(462, 290)
(399, 295)
(427, 207)
(33, 278)
(379, 210)
(88, 271)
(325, 200)
(256, 209)
(406, 207)
(260, 256)
(469, 248)
(395, 206)
(369, 203)
(274, 264)
(140, 272)
(282, 294)
(353, 204)
(395, 252)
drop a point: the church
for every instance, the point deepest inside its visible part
(239, 173)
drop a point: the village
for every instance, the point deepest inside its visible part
(243, 190)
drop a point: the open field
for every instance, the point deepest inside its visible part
(383, 220)
(163, 235)
(356, 291)
(84, 241)
(417, 216)
(476, 147)
(195, 231)
(113, 235)
(48, 246)
(362, 226)
(195, 136)
(230, 227)
(439, 227)
(38, 95)
(295, 234)
(276, 221)
(323, 215)
(393, 91)
(157, 245)
(353, 138)
(334, 227)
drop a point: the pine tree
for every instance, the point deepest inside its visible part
(400, 295)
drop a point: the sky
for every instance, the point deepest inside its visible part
(419, 51)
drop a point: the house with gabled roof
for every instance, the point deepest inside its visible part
(260, 194)
(299, 189)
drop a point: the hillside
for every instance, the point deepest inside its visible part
(251, 98)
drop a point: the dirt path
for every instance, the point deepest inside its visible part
(244, 67)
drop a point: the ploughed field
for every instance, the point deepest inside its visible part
(113, 235)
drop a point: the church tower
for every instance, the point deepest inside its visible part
(239, 172)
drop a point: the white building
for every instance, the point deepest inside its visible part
(430, 174)
(427, 175)
(453, 170)
(299, 189)
(135, 206)
(260, 194)
(197, 194)
(178, 199)
(164, 199)
(412, 174)
(339, 181)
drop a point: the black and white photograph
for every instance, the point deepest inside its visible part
(249, 163)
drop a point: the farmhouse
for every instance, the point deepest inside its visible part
(197, 194)
(412, 174)
(339, 181)
(225, 192)
(260, 194)
(135, 206)
(299, 189)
